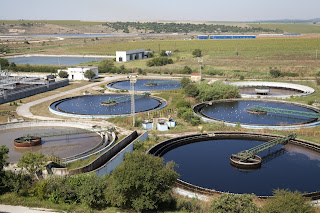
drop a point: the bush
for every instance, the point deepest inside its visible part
(217, 91)
(18, 183)
(186, 70)
(318, 81)
(106, 66)
(189, 205)
(197, 53)
(185, 82)
(191, 90)
(183, 103)
(163, 53)
(85, 189)
(275, 73)
(159, 61)
(241, 77)
(63, 74)
(286, 201)
(233, 203)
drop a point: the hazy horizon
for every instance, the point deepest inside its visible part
(166, 10)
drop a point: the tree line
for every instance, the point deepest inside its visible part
(155, 27)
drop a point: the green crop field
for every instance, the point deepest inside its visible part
(291, 28)
(280, 48)
(57, 22)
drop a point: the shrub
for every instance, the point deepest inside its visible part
(189, 205)
(106, 66)
(183, 103)
(318, 81)
(275, 73)
(159, 61)
(18, 183)
(241, 77)
(216, 91)
(185, 82)
(191, 90)
(197, 53)
(186, 70)
(233, 203)
(163, 53)
(286, 201)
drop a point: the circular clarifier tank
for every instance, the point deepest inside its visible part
(62, 146)
(263, 89)
(104, 106)
(239, 111)
(206, 163)
(147, 85)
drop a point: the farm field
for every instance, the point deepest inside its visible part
(290, 28)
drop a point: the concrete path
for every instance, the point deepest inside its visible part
(24, 109)
(21, 209)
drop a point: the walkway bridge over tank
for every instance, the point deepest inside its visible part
(249, 155)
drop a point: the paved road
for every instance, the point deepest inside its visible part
(24, 109)
(21, 209)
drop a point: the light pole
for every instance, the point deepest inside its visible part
(200, 61)
(133, 80)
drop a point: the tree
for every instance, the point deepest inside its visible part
(141, 182)
(32, 163)
(3, 157)
(197, 53)
(4, 62)
(63, 74)
(233, 204)
(106, 66)
(89, 74)
(185, 82)
(286, 201)
(12, 64)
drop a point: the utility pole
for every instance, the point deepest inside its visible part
(200, 61)
(133, 80)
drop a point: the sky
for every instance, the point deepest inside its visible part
(150, 10)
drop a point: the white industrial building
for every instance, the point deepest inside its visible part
(77, 73)
(124, 56)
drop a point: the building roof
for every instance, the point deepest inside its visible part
(133, 51)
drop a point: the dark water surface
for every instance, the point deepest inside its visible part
(140, 85)
(236, 111)
(91, 105)
(207, 164)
